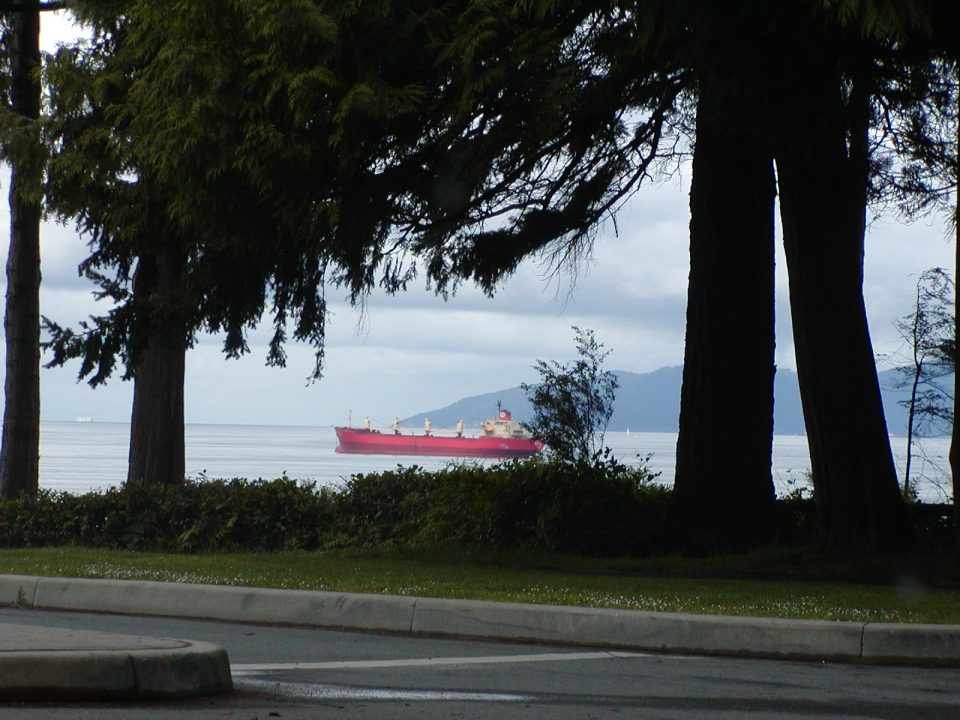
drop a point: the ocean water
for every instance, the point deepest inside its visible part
(82, 456)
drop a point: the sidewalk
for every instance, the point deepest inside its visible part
(42, 664)
(812, 640)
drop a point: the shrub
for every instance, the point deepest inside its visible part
(598, 508)
(573, 403)
(606, 509)
(212, 515)
(45, 519)
(377, 508)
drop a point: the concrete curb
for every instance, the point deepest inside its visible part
(670, 632)
(43, 664)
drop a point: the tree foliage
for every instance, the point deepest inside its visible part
(573, 402)
(291, 153)
(927, 333)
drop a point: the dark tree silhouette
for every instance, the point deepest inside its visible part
(20, 452)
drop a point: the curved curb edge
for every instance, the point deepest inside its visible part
(194, 670)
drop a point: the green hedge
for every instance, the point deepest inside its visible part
(215, 515)
(608, 510)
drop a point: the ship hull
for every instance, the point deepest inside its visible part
(373, 442)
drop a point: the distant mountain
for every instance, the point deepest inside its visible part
(650, 402)
(474, 410)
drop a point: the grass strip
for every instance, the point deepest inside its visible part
(738, 585)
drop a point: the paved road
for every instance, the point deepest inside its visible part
(304, 673)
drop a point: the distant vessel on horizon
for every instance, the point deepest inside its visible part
(501, 438)
(83, 418)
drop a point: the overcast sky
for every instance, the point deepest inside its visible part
(414, 352)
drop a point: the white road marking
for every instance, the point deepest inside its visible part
(252, 669)
(339, 692)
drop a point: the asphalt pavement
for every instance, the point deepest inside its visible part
(49, 663)
(300, 673)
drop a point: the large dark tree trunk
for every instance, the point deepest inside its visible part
(723, 491)
(20, 452)
(822, 171)
(156, 424)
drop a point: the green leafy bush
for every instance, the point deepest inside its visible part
(45, 519)
(212, 515)
(606, 509)
(386, 507)
(599, 508)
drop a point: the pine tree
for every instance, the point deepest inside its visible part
(20, 452)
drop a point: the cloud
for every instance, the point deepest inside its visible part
(61, 252)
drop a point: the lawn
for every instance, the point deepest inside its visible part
(777, 583)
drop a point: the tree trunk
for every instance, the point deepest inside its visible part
(911, 421)
(916, 351)
(955, 435)
(821, 165)
(20, 452)
(723, 490)
(156, 424)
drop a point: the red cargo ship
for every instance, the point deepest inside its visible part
(501, 438)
